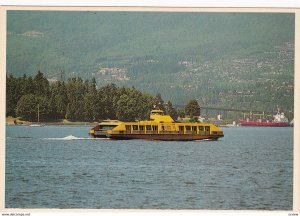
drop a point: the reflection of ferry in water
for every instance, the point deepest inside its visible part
(161, 127)
(279, 120)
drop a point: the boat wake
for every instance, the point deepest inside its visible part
(71, 137)
(205, 140)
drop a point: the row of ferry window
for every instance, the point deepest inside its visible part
(154, 127)
(141, 127)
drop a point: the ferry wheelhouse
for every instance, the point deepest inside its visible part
(163, 127)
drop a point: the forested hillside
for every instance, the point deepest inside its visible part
(77, 100)
(233, 60)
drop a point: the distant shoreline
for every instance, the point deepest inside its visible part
(18, 122)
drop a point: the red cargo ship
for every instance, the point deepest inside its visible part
(279, 120)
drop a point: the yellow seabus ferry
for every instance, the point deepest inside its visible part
(163, 127)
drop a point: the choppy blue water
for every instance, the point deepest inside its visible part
(61, 167)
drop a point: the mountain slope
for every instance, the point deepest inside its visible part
(216, 58)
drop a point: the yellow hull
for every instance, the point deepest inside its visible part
(165, 137)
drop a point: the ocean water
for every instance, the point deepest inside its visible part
(61, 167)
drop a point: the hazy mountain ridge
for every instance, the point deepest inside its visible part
(218, 58)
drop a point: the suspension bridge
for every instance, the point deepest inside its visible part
(205, 110)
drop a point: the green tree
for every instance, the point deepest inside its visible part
(11, 95)
(109, 98)
(74, 111)
(59, 100)
(170, 110)
(192, 108)
(41, 84)
(26, 107)
(126, 108)
(159, 102)
(27, 85)
(145, 103)
(92, 107)
(75, 90)
(44, 108)
(181, 113)
(93, 85)
(30, 106)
